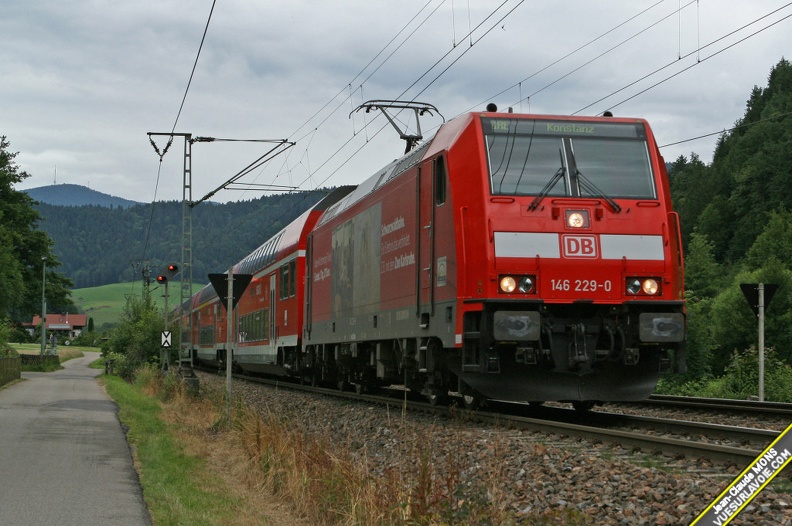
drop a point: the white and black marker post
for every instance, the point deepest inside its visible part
(759, 296)
(229, 343)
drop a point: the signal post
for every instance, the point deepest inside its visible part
(163, 279)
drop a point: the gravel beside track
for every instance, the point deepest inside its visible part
(527, 473)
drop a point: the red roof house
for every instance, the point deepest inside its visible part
(69, 325)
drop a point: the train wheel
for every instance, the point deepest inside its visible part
(471, 402)
(342, 384)
(583, 405)
(437, 400)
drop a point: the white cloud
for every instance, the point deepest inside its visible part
(84, 81)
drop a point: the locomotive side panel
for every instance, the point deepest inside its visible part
(362, 269)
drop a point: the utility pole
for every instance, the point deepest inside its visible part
(186, 321)
(185, 290)
(43, 306)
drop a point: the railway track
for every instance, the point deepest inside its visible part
(650, 435)
(686, 402)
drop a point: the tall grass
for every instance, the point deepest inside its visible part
(264, 457)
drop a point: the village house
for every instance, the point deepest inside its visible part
(64, 326)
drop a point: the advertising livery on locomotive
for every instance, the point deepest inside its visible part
(514, 257)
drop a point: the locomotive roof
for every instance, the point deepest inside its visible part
(382, 177)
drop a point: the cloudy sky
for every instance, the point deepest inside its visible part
(82, 82)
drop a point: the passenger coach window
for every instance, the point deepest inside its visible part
(288, 280)
(440, 181)
(292, 278)
(284, 282)
(254, 326)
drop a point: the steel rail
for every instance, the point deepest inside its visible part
(638, 440)
(754, 406)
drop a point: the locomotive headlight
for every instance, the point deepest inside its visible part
(526, 284)
(643, 286)
(650, 286)
(508, 284)
(517, 284)
(577, 218)
(633, 286)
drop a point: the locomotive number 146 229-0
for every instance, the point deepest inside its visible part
(580, 285)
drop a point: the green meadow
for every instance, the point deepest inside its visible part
(106, 303)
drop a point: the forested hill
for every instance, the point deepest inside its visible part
(732, 201)
(98, 245)
(736, 217)
(75, 195)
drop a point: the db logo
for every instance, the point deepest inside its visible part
(579, 246)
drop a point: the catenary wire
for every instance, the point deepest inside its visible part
(346, 143)
(700, 61)
(574, 51)
(696, 52)
(175, 122)
(744, 125)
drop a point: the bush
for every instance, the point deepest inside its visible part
(741, 380)
(136, 338)
(87, 339)
(152, 381)
(121, 365)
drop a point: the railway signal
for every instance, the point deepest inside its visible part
(167, 274)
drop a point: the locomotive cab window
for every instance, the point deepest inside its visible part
(568, 158)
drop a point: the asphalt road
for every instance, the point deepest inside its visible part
(64, 458)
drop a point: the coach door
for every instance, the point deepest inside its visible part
(431, 187)
(272, 350)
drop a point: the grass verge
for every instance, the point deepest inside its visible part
(65, 353)
(176, 486)
(261, 468)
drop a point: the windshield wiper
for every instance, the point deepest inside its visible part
(592, 189)
(546, 190)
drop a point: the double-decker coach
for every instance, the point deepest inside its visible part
(267, 321)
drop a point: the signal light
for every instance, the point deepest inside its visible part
(168, 273)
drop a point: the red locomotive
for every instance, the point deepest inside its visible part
(514, 257)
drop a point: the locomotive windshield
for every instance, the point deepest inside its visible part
(567, 158)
